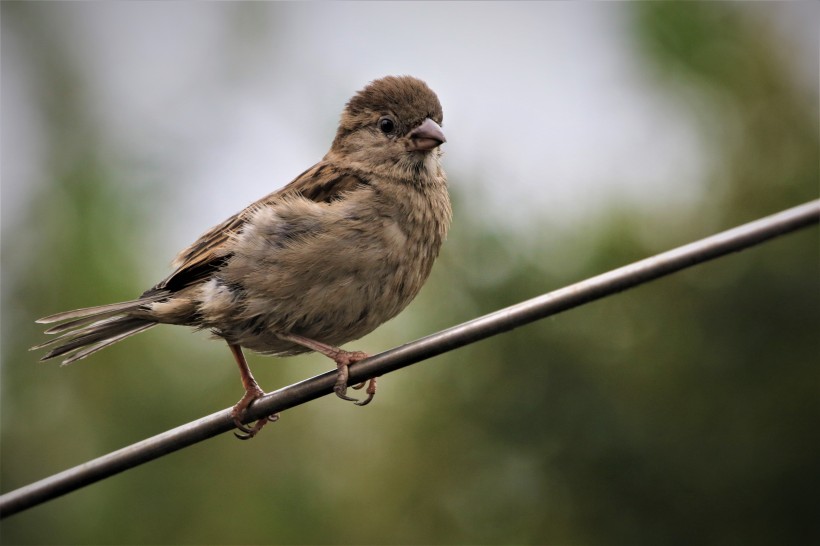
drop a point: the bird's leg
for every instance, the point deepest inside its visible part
(252, 392)
(343, 359)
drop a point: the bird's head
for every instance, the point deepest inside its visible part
(393, 124)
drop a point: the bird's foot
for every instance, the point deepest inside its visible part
(238, 414)
(371, 391)
(344, 359)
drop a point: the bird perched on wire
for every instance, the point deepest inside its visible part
(322, 261)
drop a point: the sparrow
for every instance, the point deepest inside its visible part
(322, 261)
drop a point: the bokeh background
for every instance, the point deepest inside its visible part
(581, 137)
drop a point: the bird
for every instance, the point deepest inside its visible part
(322, 261)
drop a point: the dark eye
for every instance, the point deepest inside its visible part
(386, 125)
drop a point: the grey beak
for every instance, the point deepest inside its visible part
(426, 136)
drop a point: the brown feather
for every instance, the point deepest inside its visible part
(322, 183)
(100, 310)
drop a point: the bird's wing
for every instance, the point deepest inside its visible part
(322, 183)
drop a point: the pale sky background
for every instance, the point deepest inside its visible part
(559, 116)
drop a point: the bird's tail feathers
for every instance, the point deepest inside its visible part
(101, 310)
(91, 329)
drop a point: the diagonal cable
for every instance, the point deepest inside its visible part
(591, 289)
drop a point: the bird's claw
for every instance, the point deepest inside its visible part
(238, 424)
(241, 408)
(343, 360)
(371, 392)
(341, 392)
(341, 388)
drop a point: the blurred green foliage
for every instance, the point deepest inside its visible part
(684, 411)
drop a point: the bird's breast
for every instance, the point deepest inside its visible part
(353, 266)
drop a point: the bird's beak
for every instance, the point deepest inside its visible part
(426, 136)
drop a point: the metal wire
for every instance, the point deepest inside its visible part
(500, 321)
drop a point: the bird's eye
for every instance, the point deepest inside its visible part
(386, 125)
